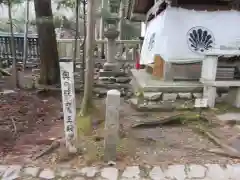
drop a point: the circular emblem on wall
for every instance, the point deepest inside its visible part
(151, 41)
(200, 39)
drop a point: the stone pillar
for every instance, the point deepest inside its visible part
(209, 71)
(120, 26)
(111, 65)
(134, 53)
(111, 125)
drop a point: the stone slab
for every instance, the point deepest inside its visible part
(229, 117)
(103, 73)
(162, 105)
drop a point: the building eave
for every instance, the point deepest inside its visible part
(137, 17)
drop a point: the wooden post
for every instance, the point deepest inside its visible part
(111, 125)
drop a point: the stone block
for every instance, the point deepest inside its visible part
(47, 174)
(215, 171)
(32, 171)
(111, 66)
(109, 173)
(103, 73)
(176, 172)
(153, 96)
(131, 172)
(13, 172)
(123, 79)
(89, 171)
(111, 125)
(185, 95)
(230, 117)
(196, 171)
(197, 95)
(170, 96)
(3, 169)
(156, 173)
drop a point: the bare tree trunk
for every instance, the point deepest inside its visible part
(25, 48)
(76, 34)
(104, 6)
(83, 47)
(49, 73)
(13, 49)
(88, 85)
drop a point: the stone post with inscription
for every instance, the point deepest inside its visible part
(111, 125)
(68, 103)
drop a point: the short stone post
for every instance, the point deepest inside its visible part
(209, 71)
(111, 125)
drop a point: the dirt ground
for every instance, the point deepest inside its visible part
(29, 121)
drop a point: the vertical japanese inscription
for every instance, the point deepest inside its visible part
(68, 101)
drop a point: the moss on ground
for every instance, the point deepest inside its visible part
(84, 125)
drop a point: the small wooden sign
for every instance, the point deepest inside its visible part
(201, 103)
(158, 67)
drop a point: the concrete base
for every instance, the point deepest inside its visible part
(233, 97)
(147, 83)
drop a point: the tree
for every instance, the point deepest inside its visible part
(12, 42)
(49, 72)
(76, 33)
(25, 46)
(88, 83)
(13, 50)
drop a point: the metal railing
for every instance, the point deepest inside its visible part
(65, 49)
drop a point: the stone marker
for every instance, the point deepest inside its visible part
(111, 125)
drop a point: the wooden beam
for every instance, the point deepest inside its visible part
(137, 17)
(155, 8)
(174, 3)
